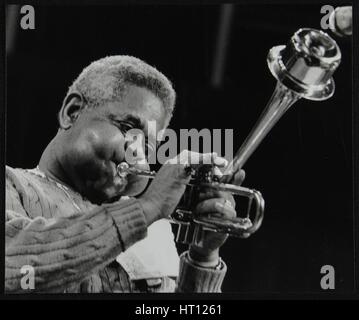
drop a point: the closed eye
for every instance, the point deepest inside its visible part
(124, 126)
(127, 124)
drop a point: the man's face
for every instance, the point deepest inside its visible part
(96, 144)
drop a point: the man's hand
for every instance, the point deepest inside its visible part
(167, 188)
(219, 203)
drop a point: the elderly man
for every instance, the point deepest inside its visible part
(78, 226)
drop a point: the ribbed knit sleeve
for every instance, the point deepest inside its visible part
(193, 278)
(64, 251)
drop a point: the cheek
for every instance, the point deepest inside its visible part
(100, 142)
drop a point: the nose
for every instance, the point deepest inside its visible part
(135, 149)
(118, 145)
(135, 156)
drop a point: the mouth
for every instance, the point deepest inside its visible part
(110, 182)
(120, 183)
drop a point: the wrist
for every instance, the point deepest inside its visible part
(204, 257)
(149, 210)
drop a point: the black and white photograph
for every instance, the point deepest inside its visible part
(180, 148)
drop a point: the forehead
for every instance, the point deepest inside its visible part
(139, 102)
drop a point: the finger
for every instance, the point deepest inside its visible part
(217, 205)
(208, 158)
(217, 172)
(236, 177)
(196, 158)
(220, 162)
(239, 177)
(210, 193)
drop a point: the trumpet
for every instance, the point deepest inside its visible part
(303, 69)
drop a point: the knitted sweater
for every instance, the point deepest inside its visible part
(72, 244)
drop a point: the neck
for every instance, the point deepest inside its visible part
(50, 163)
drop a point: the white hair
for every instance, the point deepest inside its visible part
(105, 80)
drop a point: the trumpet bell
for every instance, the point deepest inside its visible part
(306, 64)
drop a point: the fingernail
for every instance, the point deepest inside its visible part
(217, 172)
(219, 205)
(228, 204)
(221, 161)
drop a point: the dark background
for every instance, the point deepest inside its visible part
(303, 168)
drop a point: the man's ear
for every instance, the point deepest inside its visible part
(73, 105)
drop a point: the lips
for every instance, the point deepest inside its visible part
(111, 185)
(120, 183)
(116, 183)
(108, 181)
